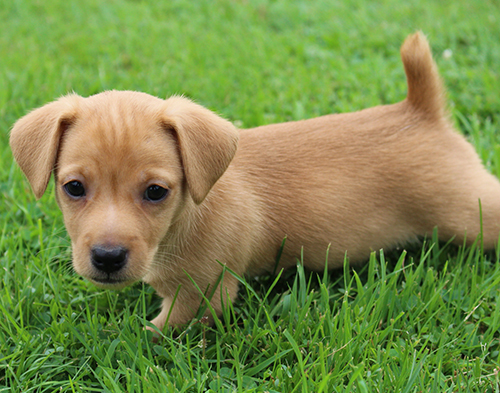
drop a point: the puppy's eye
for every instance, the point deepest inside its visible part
(155, 193)
(74, 189)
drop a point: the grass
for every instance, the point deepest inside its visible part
(424, 319)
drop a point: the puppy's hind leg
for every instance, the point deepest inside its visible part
(470, 209)
(487, 219)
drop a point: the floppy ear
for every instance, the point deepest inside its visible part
(35, 138)
(207, 143)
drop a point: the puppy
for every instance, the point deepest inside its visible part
(167, 192)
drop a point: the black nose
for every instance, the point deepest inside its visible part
(109, 259)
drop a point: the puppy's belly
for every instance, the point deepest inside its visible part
(329, 239)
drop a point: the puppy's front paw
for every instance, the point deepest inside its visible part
(156, 334)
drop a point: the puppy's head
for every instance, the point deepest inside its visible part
(126, 165)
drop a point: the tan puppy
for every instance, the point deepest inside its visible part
(160, 190)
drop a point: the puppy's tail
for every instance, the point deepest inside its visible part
(425, 90)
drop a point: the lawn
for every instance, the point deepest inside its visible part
(415, 320)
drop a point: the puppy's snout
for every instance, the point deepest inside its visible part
(109, 259)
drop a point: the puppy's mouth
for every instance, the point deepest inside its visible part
(110, 282)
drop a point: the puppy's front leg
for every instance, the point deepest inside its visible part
(188, 301)
(161, 319)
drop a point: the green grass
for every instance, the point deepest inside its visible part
(416, 321)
